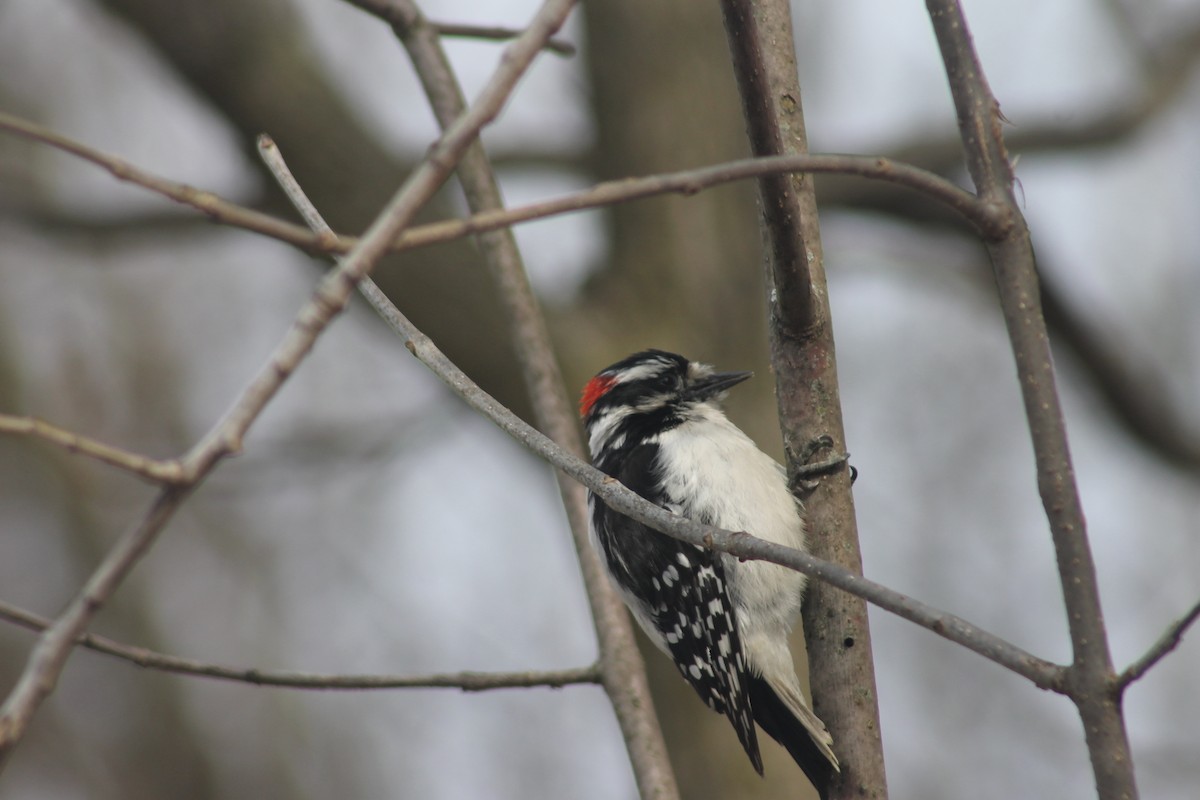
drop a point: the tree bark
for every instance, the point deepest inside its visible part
(842, 669)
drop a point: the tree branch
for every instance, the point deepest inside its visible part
(49, 656)
(603, 194)
(207, 203)
(913, 167)
(153, 470)
(287, 679)
(1091, 683)
(560, 46)
(1165, 644)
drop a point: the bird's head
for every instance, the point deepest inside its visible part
(649, 392)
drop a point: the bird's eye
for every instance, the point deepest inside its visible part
(665, 382)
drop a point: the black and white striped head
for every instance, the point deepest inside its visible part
(647, 393)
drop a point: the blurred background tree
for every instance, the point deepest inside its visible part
(363, 530)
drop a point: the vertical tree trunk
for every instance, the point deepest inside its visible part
(802, 351)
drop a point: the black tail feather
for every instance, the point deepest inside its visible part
(781, 725)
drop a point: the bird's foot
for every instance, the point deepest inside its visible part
(808, 467)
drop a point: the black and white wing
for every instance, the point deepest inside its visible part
(678, 594)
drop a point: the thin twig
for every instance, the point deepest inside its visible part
(45, 663)
(153, 470)
(401, 20)
(980, 215)
(207, 203)
(1170, 639)
(560, 46)
(288, 679)
(49, 655)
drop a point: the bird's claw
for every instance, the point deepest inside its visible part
(807, 468)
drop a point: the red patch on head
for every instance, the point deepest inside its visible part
(594, 390)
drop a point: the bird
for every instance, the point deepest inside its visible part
(654, 422)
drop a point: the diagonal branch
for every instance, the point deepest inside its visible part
(207, 203)
(1165, 644)
(1042, 673)
(49, 656)
(876, 168)
(467, 681)
(154, 470)
(559, 46)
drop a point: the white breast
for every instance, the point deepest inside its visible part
(715, 472)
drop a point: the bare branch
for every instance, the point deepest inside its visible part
(467, 681)
(1165, 644)
(402, 18)
(686, 182)
(691, 181)
(153, 470)
(46, 662)
(49, 655)
(560, 46)
(41, 213)
(1091, 682)
(268, 151)
(1120, 117)
(203, 201)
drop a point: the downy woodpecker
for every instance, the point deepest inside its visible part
(654, 423)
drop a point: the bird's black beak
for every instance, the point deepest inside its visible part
(715, 384)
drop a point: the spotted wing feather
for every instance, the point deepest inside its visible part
(662, 573)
